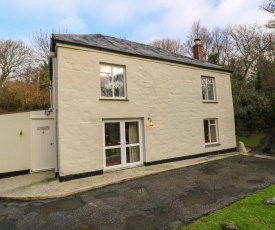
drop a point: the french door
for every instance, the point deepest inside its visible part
(122, 144)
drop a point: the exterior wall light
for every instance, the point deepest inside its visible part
(150, 121)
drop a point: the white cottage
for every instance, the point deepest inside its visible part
(121, 104)
(118, 104)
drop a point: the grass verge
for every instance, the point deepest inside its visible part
(252, 142)
(248, 214)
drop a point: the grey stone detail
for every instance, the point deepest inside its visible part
(230, 226)
(270, 201)
(242, 148)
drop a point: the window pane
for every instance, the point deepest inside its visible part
(212, 122)
(204, 88)
(206, 131)
(132, 154)
(204, 94)
(113, 156)
(213, 133)
(208, 88)
(210, 92)
(106, 85)
(131, 134)
(105, 69)
(112, 134)
(209, 80)
(118, 81)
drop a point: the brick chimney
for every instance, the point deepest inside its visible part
(198, 50)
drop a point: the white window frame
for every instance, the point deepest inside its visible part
(123, 145)
(209, 131)
(124, 81)
(214, 89)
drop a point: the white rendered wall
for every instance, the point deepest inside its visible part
(170, 93)
(14, 148)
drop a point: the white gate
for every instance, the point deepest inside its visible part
(43, 144)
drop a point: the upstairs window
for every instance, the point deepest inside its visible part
(112, 81)
(210, 131)
(208, 89)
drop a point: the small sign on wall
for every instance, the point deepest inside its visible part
(43, 128)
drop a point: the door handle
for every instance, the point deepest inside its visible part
(52, 143)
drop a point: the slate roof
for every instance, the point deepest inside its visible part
(102, 42)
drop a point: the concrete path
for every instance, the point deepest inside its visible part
(164, 201)
(265, 156)
(43, 185)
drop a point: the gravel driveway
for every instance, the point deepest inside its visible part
(164, 201)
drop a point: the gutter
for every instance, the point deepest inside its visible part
(54, 104)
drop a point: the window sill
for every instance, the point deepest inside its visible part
(113, 99)
(212, 145)
(210, 102)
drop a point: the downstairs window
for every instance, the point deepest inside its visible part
(210, 131)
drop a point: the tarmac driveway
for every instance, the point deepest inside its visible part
(164, 201)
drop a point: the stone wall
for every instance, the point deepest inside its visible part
(14, 142)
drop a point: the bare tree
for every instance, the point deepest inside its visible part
(201, 32)
(169, 44)
(41, 42)
(248, 42)
(13, 56)
(216, 46)
(29, 74)
(269, 6)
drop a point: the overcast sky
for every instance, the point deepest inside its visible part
(136, 20)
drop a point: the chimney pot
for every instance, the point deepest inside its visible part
(197, 41)
(198, 50)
